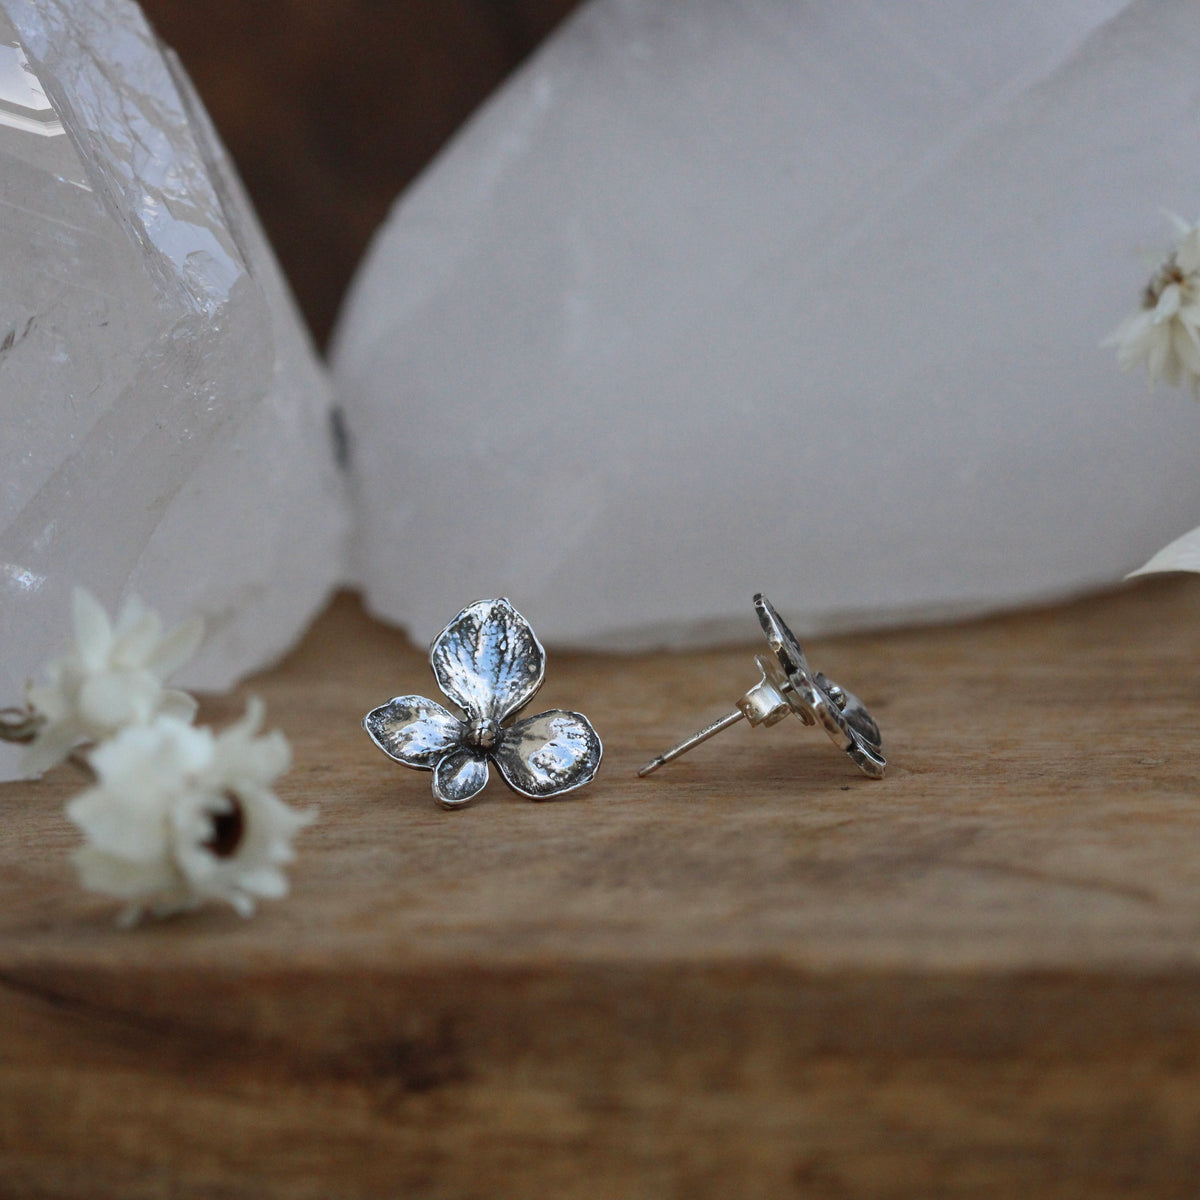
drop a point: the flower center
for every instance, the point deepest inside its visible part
(228, 829)
(482, 733)
(1167, 274)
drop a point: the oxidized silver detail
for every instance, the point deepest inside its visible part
(490, 664)
(818, 700)
(789, 686)
(540, 756)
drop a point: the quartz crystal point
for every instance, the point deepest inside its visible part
(716, 297)
(166, 426)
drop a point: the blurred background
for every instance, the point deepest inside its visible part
(330, 107)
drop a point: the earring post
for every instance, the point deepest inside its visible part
(695, 740)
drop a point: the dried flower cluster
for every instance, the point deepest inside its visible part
(110, 677)
(178, 814)
(1164, 334)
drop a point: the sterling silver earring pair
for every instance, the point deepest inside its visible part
(489, 662)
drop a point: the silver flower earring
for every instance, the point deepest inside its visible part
(488, 661)
(788, 686)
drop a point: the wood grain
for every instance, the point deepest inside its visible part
(754, 974)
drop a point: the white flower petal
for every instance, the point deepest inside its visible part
(131, 827)
(93, 631)
(177, 704)
(1186, 347)
(51, 746)
(268, 882)
(46, 701)
(132, 647)
(274, 824)
(132, 613)
(122, 878)
(1168, 303)
(1157, 354)
(253, 758)
(109, 700)
(1172, 368)
(1187, 254)
(164, 751)
(1189, 317)
(1182, 228)
(178, 647)
(1183, 554)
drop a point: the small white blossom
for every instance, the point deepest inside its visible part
(109, 678)
(1164, 334)
(179, 816)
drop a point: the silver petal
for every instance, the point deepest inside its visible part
(781, 639)
(488, 661)
(853, 729)
(549, 754)
(459, 777)
(413, 730)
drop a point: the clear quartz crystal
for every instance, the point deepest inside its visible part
(717, 297)
(166, 425)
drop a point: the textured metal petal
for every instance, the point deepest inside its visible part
(865, 744)
(781, 639)
(488, 661)
(549, 754)
(413, 730)
(459, 777)
(853, 729)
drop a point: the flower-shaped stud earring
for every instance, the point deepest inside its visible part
(788, 686)
(488, 661)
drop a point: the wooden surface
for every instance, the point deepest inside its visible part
(755, 974)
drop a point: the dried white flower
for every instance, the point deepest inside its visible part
(1164, 334)
(180, 816)
(111, 677)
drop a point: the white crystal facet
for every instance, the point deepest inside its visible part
(166, 423)
(715, 298)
